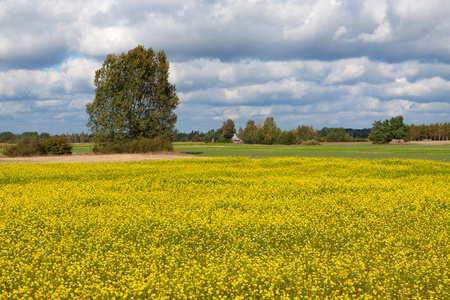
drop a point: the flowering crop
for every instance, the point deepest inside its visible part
(227, 228)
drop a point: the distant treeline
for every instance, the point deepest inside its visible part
(331, 134)
(437, 132)
(257, 134)
(11, 138)
(269, 133)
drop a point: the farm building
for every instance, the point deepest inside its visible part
(236, 140)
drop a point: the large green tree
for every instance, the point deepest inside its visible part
(133, 98)
(6, 136)
(249, 135)
(268, 134)
(228, 129)
(305, 133)
(386, 131)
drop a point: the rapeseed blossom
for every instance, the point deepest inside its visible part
(226, 228)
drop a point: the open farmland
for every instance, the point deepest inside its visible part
(432, 150)
(226, 228)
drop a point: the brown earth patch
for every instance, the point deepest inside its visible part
(95, 158)
(430, 142)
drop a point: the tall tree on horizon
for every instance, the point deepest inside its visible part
(133, 98)
(228, 129)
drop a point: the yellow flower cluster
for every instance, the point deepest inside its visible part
(226, 228)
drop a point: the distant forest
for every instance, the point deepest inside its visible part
(257, 133)
(12, 138)
(329, 134)
(436, 131)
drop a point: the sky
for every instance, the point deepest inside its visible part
(325, 63)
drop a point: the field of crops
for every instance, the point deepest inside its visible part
(226, 228)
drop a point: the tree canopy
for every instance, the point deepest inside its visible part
(133, 98)
(386, 131)
(228, 129)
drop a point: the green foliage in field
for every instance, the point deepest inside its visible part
(226, 228)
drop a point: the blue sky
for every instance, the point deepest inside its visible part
(307, 62)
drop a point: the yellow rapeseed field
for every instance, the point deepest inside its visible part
(226, 228)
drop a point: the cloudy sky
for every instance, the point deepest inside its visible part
(313, 62)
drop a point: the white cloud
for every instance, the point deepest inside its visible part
(381, 34)
(30, 84)
(433, 107)
(397, 107)
(76, 75)
(346, 70)
(376, 9)
(79, 104)
(62, 115)
(49, 103)
(12, 108)
(342, 31)
(309, 19)
(79, 74)
(421, 88)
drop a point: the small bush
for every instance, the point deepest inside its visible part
(105, 148)
(311, 143)
(137, 146)
(25, 147)
(57, 145)
(360, 140)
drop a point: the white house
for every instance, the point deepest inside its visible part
(236, 140)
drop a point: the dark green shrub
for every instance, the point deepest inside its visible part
(145, 145)
(106, 148)
(57, 145)
(25, 147)
(10, 150)
(361, 140)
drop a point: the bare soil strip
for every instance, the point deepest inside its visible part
(443, 142)
(94, 158)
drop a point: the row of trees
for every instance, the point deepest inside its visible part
(11, 138)
(437, 131)
(269, 133)
(387, 130)
(302, 132)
